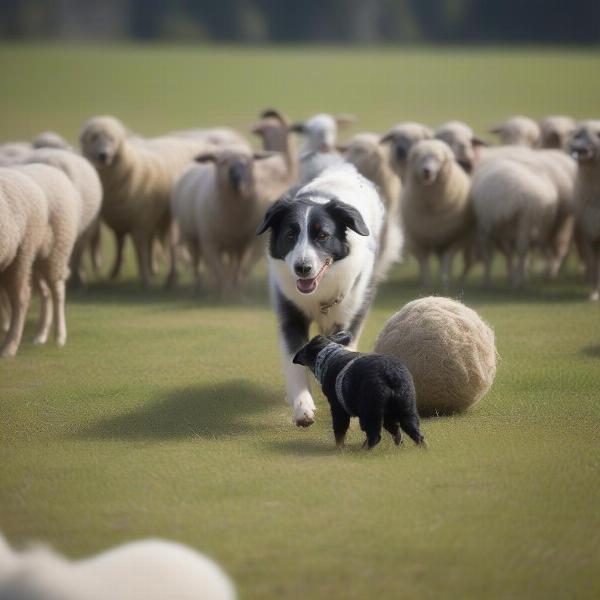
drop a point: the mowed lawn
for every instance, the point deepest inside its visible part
(164, 414)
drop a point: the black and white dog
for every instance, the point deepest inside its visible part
(376, 388)
(324, 241)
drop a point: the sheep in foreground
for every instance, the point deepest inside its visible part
(518, 131)
(371, 160)
(402, 137)
(149, 569)
(23, 227)
(86, 181)
(218, 206)
(435, 209)
(555, 132)
(138, 177)
(515, 206)
(465, 145)
(51, 266)
(585, 146)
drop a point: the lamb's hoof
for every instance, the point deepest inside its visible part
(305, 421)
(8, 351)
(595, 296)
(40, 340)
(61, 341)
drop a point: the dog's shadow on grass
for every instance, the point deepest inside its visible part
(207, 411)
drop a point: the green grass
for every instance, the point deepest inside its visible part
(164, 414)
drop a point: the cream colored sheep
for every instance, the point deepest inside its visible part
(372, 160)
(51, 139)
(555, 132)
(23, 229)
(148, 569)
(13, 152)
(51, 267)
(274, 131)
(86, 181)
(465, 145)
(585, 147)
(401, 138)
(435, 209)
(518, 131)
(228, 197)
(138, 177)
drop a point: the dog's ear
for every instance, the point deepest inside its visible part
(300, 358)
(348, 216)
(274, 214)
(341, 337)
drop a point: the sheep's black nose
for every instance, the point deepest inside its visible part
(103, 156)
(302, 269)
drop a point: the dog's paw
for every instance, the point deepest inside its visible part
(304, 413)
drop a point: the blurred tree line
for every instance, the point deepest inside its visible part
(328, 21)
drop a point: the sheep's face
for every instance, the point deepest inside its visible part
(555, 132)
(273, 129)
(101, 140)
(236, 172)
(518, 131)
(365, 154)
(464, 145)
(585, 143)
(401, 139)
(427, 160)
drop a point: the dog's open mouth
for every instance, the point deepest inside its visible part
(308, 286)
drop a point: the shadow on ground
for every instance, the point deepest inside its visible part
(210, 411)
(593, 351)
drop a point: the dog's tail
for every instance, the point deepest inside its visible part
(404, 399)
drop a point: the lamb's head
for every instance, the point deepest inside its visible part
(101, 139)
(273, 129)
(463, 143)
(366, 153)
(518, 131)
(429, 161)
(584, 144)
(402, 138)
(556, 131)
(307, 355)
(320, 131)
(234, 170)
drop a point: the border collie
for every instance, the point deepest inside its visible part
(376, 388)
(322, 250)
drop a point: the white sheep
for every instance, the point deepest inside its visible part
(463, 142)
(86, 181)
(435, 209)
(585, 147)
(137, 176)
(150, 569)
(23, 229)
(13, 152)
(372, 161)
(401, 138)
(51, 266)
(51, 139)
(555, 132)
(273, 129)
(518, 131)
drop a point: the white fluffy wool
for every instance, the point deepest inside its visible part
(449, 350)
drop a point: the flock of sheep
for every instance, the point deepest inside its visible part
(198, 195)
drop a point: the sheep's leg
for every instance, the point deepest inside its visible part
(75, 263)
(446, 269)
(214, 262)
(195, 255)
(522, 248)
(4, 312)
(155, 254)
(172, 253)
(251, 257)
(57, 288)
(561, 244)
(19, 293)
(95, 248)
(119, 243)
(595, 295)
(142, 251)
(486, 249)
(391, 425)
(426, 282)
(45, 322)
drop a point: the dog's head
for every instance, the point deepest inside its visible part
(584, 144)
(307, 355)
(310, 236)
(101, 139)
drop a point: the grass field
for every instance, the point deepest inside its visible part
(164, 414)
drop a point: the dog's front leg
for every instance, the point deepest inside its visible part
(293, 333)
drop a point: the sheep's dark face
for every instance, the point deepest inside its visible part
(401, 139)
(236, 172)
(427, 160)
(463, 144)
(585, 143)
(555, 132)
(100, 143)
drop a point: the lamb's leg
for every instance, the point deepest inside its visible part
(341, 422)
(117, 265)
(172, 252)
(426, 282)
(446, 269)
(142, 246)
(95, 247)
(57, 288)
(45, 322)
(4, 312)
(18, 290)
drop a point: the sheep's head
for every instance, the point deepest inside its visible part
(320, 131)
(556, 131)
(51, 139)
(234, 170)
(273, 129)
(366, 153)
(518, 131)
(585, 143)
(401, 139)
(463, 143)
(428, 160)
(101, 139)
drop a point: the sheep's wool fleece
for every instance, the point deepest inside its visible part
(449, 350)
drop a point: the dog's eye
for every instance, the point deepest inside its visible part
(290, 235)
(322, 236)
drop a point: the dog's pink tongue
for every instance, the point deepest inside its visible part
(306, 286)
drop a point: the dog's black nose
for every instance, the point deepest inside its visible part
(302, 269)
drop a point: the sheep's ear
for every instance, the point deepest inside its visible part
(344, 120)
(273, 114)
(264, 154)
(297, 127)
(206, 157)
(478, 142)
(387, 138)
(348, 216)
(341, 337)
(257, 129)
(300, 358)
(274, 214)
(341, 148)
(496, 129)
